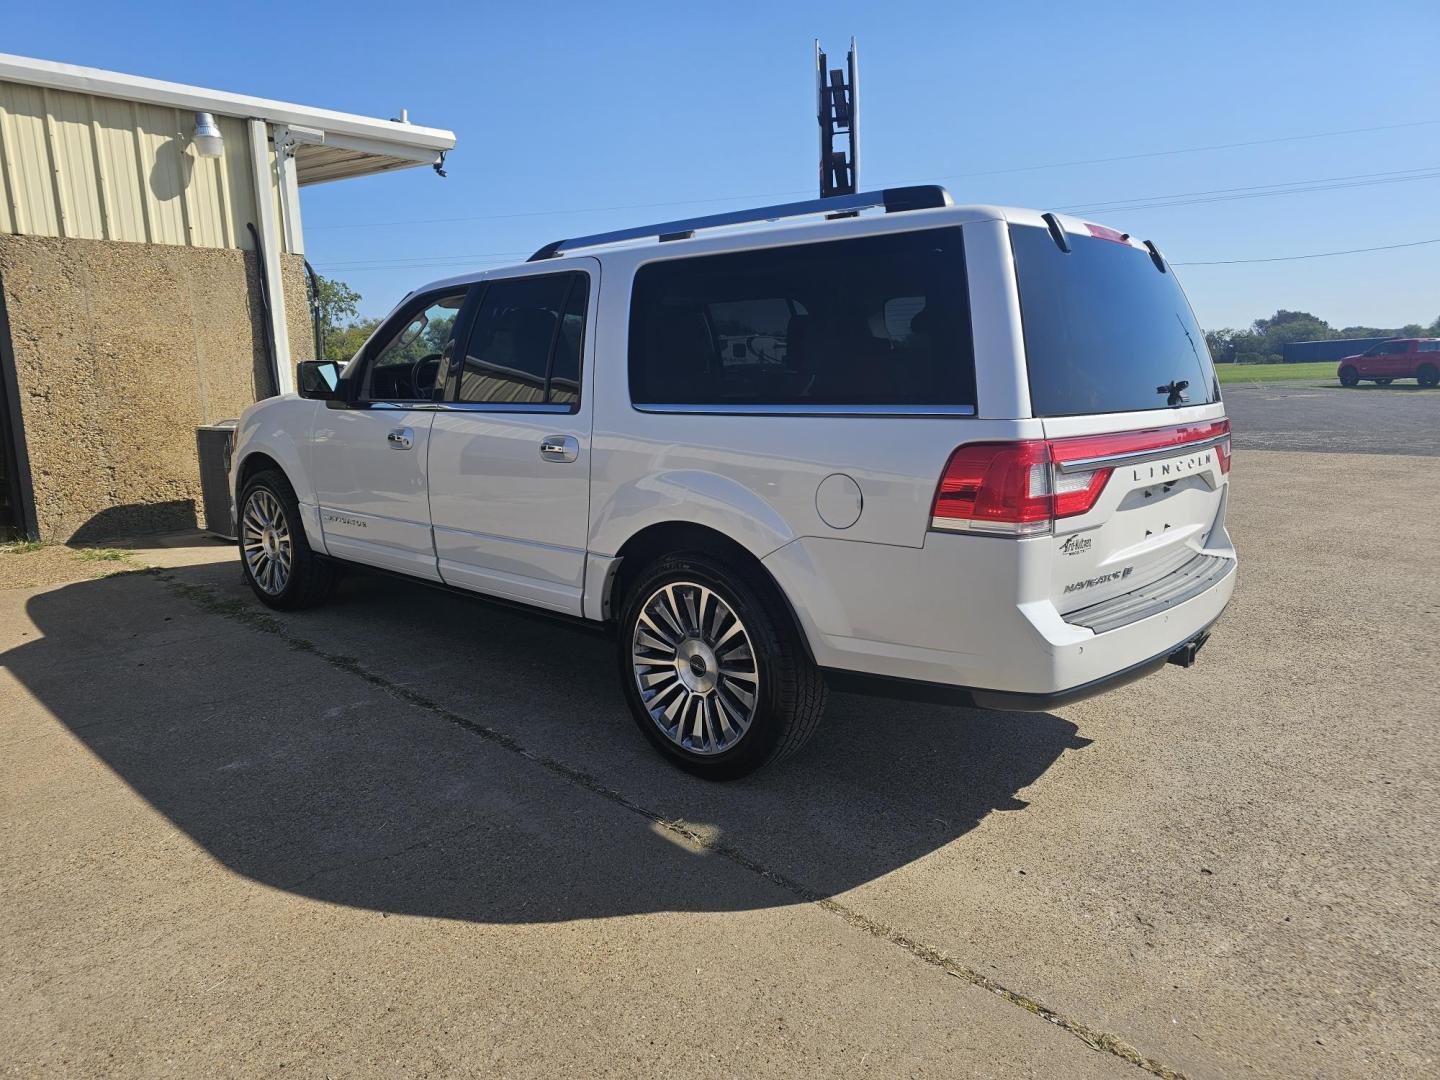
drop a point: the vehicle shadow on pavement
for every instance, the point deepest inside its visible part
(410, 751)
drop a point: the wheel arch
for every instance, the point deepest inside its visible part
(666, 537)
(258, 459)
(254, 462)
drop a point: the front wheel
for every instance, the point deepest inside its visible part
(1428, 375)
(278, 563)
(714, 670)
(1349, 377)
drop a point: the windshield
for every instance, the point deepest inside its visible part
(1105, 330)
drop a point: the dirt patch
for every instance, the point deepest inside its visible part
(29, 566)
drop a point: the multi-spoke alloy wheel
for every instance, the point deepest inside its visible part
(265, 540)
(695, 668)
(279, 564)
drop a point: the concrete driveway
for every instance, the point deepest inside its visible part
(411, 834)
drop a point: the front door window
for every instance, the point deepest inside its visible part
(408, 365)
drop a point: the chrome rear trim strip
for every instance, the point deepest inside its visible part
(1139, 457)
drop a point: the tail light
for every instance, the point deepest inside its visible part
(996, 488)
(1021, 488)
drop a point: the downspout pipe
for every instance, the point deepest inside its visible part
(314, 282)
(265, 307)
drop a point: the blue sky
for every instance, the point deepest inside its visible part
(571, 117)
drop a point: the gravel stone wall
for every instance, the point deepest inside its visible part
(121, 351)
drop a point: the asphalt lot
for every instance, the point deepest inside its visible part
(409, 833)
(1398, 419)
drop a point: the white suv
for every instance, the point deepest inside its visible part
(963, 453)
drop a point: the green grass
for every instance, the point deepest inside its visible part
(23, 547)
(1250, 373)
(101, 555)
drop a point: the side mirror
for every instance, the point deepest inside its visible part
(317, 379)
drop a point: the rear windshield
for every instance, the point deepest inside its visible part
(1105, 330)
(874, 321)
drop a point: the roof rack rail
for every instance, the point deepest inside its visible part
(894, 200)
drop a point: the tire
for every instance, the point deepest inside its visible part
(270, 532)
(1349, 376)
(1383, 382)
(693, 706)
(1428, 375)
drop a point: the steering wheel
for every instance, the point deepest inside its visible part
(424, 374)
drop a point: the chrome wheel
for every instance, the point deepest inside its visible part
(695, 668)
(265, 540)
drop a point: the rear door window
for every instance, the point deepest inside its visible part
(1105, 330)
(525, 346)
(872, 321)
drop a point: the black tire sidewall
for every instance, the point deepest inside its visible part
(767, 642)
(1349, 376)
(1428, 375)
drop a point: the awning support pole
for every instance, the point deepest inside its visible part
(272, 243)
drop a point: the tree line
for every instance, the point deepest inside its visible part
(1261, 341)
(337, 311)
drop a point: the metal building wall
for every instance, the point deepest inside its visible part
(99, 168)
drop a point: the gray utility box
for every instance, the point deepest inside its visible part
(214, 442)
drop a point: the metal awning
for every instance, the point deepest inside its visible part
(347, 145)
(317, 164)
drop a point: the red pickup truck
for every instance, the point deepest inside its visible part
(1399, 358)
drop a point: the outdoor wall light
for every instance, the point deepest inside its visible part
(208, 140)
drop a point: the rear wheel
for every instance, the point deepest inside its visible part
(715, 672)
(278, 562)
(1349, 376)
(1428, 375)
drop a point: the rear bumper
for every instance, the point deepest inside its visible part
(947, 621)
(855, 682)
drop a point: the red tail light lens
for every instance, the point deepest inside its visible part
(1020, 488)
(997, 488)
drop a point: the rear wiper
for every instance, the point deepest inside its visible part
(1175, 392)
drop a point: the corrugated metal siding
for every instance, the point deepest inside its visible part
(98, 168)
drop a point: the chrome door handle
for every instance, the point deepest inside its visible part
(559, 448)
(401, 438)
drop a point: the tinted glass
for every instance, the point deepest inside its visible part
(1104, 328)
(882, 320)
(406, 366)
(507, 360)
(565, 372)
(1429, 346)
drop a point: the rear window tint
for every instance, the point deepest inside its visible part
(1105, 330)
(525, 346)
(875, 321)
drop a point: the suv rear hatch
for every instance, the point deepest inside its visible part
(1138, 445)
